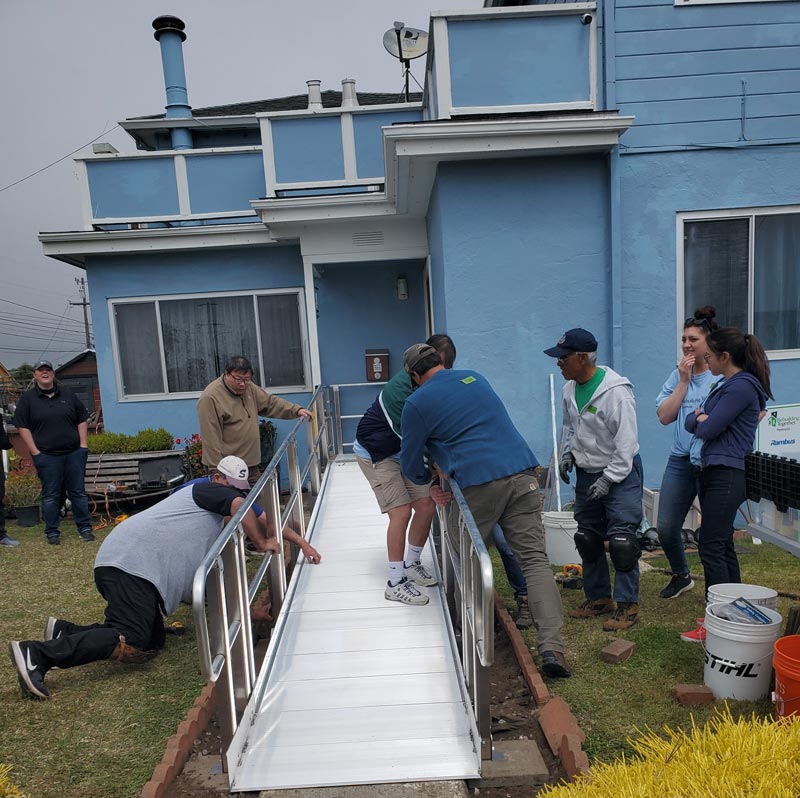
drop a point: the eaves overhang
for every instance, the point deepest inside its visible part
(412, 152)
(75, 246)
(144, 131)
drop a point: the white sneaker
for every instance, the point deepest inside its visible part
(416, 573)
(405, 592)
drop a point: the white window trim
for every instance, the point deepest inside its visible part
(122, 397)
(729, 213)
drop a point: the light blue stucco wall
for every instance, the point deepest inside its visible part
(176, 273)
(516, 61)
(133, 188)
(369, 138)
(308, 150)
(438, 274)
(523, 254)
(654, 189)
(358, 310)
(225, 182)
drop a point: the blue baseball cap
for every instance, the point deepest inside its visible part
(575, 340)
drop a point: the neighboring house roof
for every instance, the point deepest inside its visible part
(295, 102)
(87, 353)
(5, 376)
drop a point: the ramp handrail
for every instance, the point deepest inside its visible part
(221, 592)
(468, 583)
(337, 411)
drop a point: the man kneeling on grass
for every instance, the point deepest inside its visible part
(143, 570)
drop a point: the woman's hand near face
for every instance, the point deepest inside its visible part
(685, 368)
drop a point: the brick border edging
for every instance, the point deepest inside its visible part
(179, 746)
(564, 736)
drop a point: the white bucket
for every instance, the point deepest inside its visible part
(755, 594)
(559, 538)
(739, 655)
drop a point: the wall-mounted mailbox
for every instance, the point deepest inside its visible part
(377, 364)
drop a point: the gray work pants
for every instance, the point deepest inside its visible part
(515, 503)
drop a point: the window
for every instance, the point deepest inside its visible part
(178, 344)
(746, 264)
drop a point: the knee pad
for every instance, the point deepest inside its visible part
(625, 552)
(589, 545)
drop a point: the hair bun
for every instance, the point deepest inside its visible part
(706, 312)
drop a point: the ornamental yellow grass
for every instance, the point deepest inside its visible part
(747, 758)
(7, 789)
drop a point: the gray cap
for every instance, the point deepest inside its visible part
(414, 354)
(43, 364)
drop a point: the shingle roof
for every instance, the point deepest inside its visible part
(295, 102)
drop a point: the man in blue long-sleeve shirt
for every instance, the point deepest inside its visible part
(472, 439)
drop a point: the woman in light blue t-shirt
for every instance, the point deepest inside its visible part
(684, 390)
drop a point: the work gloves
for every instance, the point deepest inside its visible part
(565, 466)
(599, 488)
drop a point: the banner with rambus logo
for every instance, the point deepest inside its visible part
(779, 431)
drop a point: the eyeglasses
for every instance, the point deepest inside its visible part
(241, 380)
(693, 322)
(564, 358)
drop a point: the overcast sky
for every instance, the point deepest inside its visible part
(71, 69)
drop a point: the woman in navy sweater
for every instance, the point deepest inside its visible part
(726, 423)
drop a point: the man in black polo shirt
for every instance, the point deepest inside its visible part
(52, 422)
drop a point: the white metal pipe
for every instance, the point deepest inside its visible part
(555, 476)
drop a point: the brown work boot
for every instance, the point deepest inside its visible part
(524, 620)
(591, 608)
(625, 616)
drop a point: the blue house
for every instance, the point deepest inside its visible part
(607, 164)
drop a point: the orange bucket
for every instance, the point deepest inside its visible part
(786, 661)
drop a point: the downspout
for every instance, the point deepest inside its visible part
(170, 36)
(610, 91)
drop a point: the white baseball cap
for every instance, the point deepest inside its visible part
(235, 470)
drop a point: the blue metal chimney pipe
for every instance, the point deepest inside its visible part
(170, 36)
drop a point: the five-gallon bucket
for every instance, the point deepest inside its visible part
(559, 536)
(755, 594)
(786, 662)
(739, 655)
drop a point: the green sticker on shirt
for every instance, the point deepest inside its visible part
(468, 380)
(591, 409)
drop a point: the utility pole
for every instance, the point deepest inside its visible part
(81, 283)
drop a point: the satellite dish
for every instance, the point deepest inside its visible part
(405, 43)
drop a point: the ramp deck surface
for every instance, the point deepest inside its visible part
(363, 690)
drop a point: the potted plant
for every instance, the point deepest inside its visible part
(22, 493)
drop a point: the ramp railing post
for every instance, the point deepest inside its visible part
(469, 592)
(337, 415)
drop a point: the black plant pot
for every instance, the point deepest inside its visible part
(27, 516)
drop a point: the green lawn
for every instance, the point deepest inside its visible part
(611, 701)
(105, 728)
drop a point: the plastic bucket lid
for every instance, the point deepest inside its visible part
(756, 594)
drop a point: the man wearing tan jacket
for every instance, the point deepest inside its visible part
(228, 411)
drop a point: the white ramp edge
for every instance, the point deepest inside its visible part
(362, 690)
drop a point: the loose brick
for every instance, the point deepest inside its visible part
(692, 694)
(617, 651)
(573, 757)
(556, 720)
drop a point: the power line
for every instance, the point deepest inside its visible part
(35, 321)
(76, 350)
(58, 160)
(36, 337)
(36, 310)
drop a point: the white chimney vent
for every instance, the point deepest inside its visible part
(349, 96)
(314, 95)
(103, 148)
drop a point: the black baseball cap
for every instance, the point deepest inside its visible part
(575, 340)
(43, 364)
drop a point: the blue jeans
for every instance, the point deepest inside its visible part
(69, 470)
(679, 487)
(617, 513)
(513, 572)
(722, 490)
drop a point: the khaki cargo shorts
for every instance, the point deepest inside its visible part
(390, 487)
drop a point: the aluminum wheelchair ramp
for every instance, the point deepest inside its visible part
(361, 690)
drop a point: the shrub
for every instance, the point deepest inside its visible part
(193, 456)
(22, 488)
(146, 440)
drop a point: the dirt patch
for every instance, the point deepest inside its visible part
(512, 718)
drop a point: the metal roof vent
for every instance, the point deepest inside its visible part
(372, 238)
